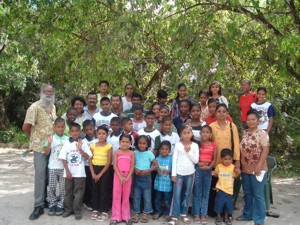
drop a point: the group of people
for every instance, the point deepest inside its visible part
(161, 161)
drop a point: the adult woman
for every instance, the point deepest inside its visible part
(254, 151)
(225, 134)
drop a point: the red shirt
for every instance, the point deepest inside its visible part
(206, 153)
(211, 119)
(245, 103)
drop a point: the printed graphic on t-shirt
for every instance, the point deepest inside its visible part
(74, 158)
(55, 152)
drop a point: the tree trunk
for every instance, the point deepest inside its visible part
(4, 123)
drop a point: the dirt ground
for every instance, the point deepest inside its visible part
(16, 196)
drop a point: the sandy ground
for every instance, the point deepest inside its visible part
(16, 196)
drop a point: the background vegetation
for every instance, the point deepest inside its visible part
(152, 44)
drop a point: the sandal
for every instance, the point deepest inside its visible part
(102, 217)
(135, 218)
(95, 215)
(228, 221)
(145, 218)
(185, 219)
(113, 222)
(204, 219)
(241, 218)
(272, 214)
(173, 221)
(197, 219)
(218, 221)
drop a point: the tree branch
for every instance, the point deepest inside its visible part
(291, 70)
(294, 13)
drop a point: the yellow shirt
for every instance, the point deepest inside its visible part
(226, 178)
(223, 140)
(100, 154)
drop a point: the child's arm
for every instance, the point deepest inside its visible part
(94, 176)
(174, 163)
(271, 119)
(215, 173)
(47, 146)
(271, 114)
(151, 169)
(79, 147)
(193, 153)
(68, 173)
(131, 167)
(107, 165)
(115, 160)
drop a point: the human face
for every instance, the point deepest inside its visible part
(142, 144)
(71, 116)
(252, 121)
(215, 89)
(227, 160)
(138, 114)
(136, 100)
(205, 134)
(150, 121)
(212, 108)
(186, 134)
(166, 127)
(221, 113)
(89, 131)
(103, 88)
(155, 109)
(203, 99)
(246, 86)
(184, 108)
(261, 96)
(101, 135)
(115, 102)
(59, 128)
(78, 106)
(115, 126)
(105, 106)
(196, 112)
(163, 112)
(127, 127)
(48, 91)
(163, 101)
(129, 90)
(164, 151)
(182, 92)
(75, 133)
(125, 143)
(92, 100)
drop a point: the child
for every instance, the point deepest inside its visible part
(56, 168)
(203, 97)
(149, 130)
(162, 98)
(142, 178)
(104, 117)
(224, 199)
(99, 166)
(72, 154)
(212, 105)
(136, 99)
(186, 155)
(207, 158)
(166, 134)
(196, 123)
(138, 119)
(185, 107)
(163, 111)
(123, 166)
(127, 129)
(163, 181)
(181, 95)
(215, 91)
(89, 130)
(265, 110)
(103, 86)
(71, 117)
(155, 108)
(129, 90)
(114, 137)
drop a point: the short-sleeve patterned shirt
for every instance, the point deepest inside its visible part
(42, 125)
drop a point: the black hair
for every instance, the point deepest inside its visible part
(91, 93)
(59, 120)
(262, 88)
(87, 123)
(226, 152)
(166, 143)
(180, 86)
(150, 113)
(203, 92)
(137, 95)
(103, 127)
(162, 94)
(253, 112)
(116, 120)
(137, 107)
(71, 109)
(191, 129)
(78, 98)
(116, 95)
(213, 100)
(74, 125)
(164, 107)
(148, 140)
(123, 135)
(104, 99)
(206, 126)
(125, 120)
(195, 105)
(166, 118)
(215, 83)
(104, 82)
(222, 105)
(186, 101)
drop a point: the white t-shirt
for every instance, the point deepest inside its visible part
(173, 139)
(75, 160)
(153, 134)
(265, 111)
(56, 146)
(114, 141)
(103, 120)
(138, 126)
(126, 104)
(224, 100)
(89, 142)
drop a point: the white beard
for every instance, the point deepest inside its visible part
(48, 101)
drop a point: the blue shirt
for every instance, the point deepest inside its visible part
(178, 122)
(143, 159)
(164, 182)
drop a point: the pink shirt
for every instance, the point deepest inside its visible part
(207, 152)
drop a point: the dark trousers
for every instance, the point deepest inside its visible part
(87, 198)
(212, 196)
(101, 200)
(74, 194)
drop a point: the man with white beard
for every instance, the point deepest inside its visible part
(38, 125)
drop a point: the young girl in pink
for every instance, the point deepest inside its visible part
(123, 166)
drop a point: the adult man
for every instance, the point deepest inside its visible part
(38, 125)
(91, 107)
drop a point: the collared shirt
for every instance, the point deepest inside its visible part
(163, 182)
(42, 125)
(87, 113)
(173, 138)
(130, 113)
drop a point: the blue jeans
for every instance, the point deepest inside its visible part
(142, 187)
(224, 203)
(167, 197)
(254, 198)
(181, 195)
(201, 191)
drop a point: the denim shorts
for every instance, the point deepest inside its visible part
(224, 203)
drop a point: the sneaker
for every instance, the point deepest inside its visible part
(52, 210)
(59, 211)
(39, 210)
(87, 206)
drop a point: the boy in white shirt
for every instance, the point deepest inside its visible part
(104, 117)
